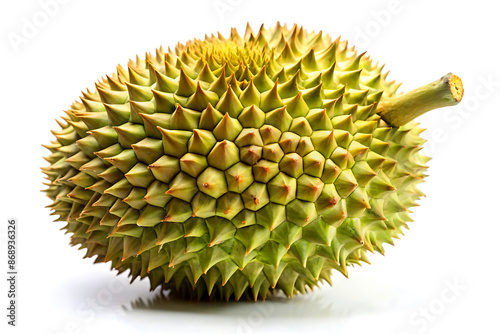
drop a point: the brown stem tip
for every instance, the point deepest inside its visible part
(403, 108)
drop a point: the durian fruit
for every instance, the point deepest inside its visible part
(238, 167)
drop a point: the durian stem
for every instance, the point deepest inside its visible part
(403, 108)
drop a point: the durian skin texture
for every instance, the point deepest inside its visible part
(234, 168)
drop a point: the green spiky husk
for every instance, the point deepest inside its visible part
(238, 167)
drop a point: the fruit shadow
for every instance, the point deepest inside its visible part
(277, 305)
(338, 302)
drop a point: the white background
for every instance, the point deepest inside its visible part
(453, 241)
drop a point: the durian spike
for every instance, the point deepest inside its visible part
(403, 108)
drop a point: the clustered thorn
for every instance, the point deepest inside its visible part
(236, 167)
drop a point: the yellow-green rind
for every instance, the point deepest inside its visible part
(238, 167)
